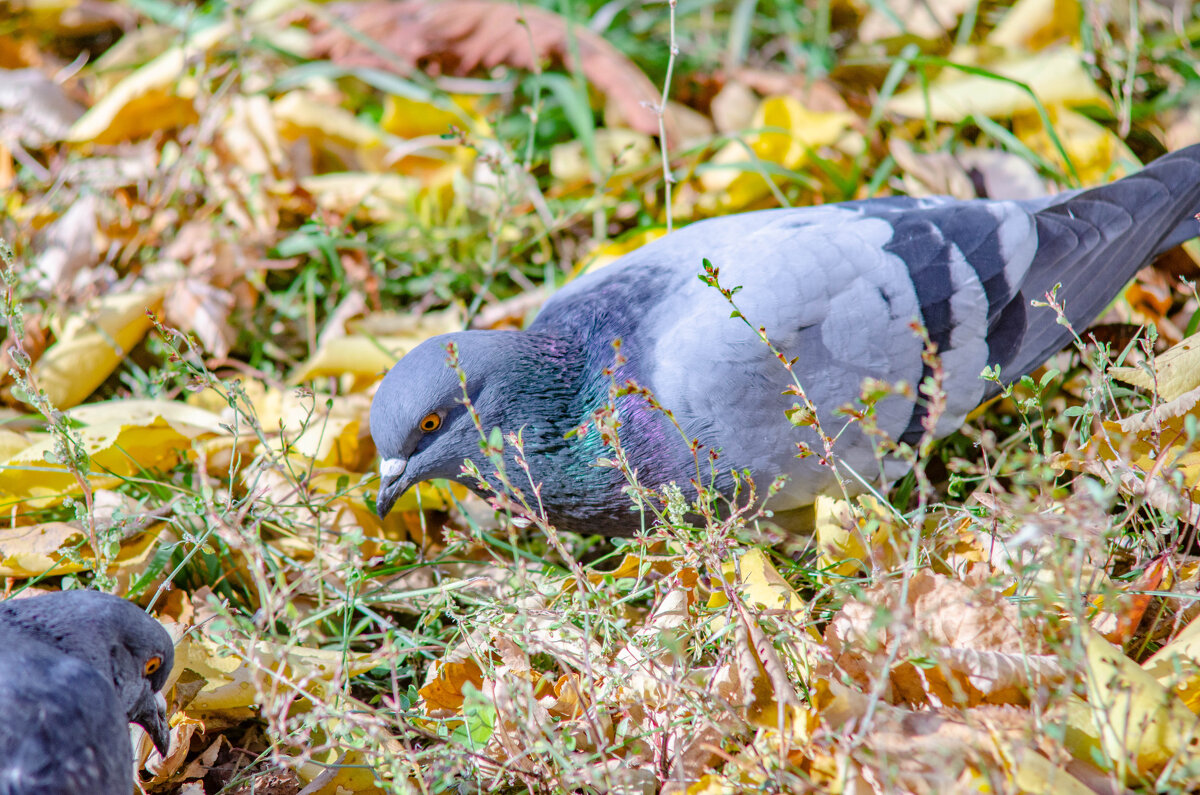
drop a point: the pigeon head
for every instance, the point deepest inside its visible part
(111, 634)
(418, 421)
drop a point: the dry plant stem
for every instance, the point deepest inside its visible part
(661, 113)
(68, 447)
(711, 277)
(521, 506)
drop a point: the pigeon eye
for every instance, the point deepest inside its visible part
(152, 665)
(431, 422)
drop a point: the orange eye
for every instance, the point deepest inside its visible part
(152, 665)
(431, 422)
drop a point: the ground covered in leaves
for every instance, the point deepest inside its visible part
(223, 221)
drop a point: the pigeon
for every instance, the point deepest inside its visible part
(76, 667)
(836, 289)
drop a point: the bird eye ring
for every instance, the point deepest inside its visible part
(431, 422)
(152, 665)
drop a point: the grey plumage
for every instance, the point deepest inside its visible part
(837, 286)
(75, 668)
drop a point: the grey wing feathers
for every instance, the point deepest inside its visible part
(1096, 240)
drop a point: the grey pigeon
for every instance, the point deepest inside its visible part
(838, 287)
(75, 668)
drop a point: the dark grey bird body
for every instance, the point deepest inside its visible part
(76, 668)
(837, 286)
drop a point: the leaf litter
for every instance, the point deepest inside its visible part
(222, 237)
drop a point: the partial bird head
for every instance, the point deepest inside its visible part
(420, 425)
(114, 636)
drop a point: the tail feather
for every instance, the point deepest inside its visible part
(1092, 242)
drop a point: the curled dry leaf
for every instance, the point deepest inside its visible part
(236, 676)
(55, 548)
(157, 96)
(460, 36)
(985, 651)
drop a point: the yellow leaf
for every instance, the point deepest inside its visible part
(92, 344)
(854, 540)
(758, 582)
(328, 436)
(1139, 723)
(1176, 371)
(234, 679)
(613, 250)
(1034, 774)
(1097, 154)
(379, 197)
(618, 151)
(786, 132)
(11, 443)
(443, 691)
(1177, 665)
(157, 96)
(355, 354)
(35, 551)
(355, 775)
(436, 159)
(1034, 24)
(1056, 76)
(369, 356)
(1163, 449)
(303, 115)
(411, 118)
(121, 438)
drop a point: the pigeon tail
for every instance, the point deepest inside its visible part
(1093, 241)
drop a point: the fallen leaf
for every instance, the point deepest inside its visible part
(1176, 665)
(618, 152)
(157, 96)
(1172, 373)
(983, 650)
(91, 344)
(41, 550)
(465, 35)
(69, 245)
(1036, 24)
(784, 133)
(1057, 77)
(1096, 153)
(925, 20)
(121, 438)
(34, 109)
(196, 306)
(375, 197)
(1139, 723)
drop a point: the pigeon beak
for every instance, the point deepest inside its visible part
(150, 712)
(392, 484)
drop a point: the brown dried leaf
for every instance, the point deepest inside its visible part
(68, 246)
(34, 110)
(202, 309)
(443, 690)
(460, 36)
(985, 652)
